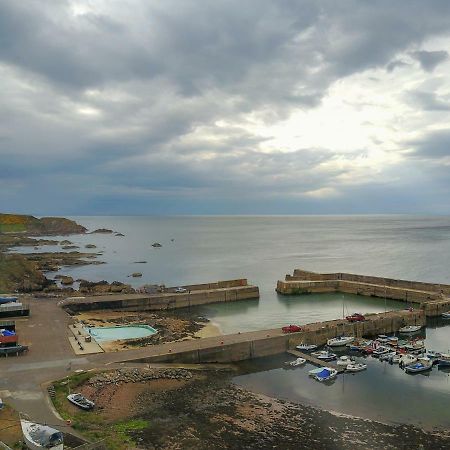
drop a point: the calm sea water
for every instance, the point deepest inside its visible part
(264, 249)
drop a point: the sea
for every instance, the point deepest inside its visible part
(263, 249)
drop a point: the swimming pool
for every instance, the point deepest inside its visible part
(102, 334)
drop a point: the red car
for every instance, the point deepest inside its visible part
(291, 329)
(356, 317)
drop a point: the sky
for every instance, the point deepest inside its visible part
(224, 107)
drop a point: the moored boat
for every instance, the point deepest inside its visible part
(324, 355)
(37, 436)
(446, 315)
(356, 367)
(314, 372)
(344, 361)
(297, 362)
(327, 373)
(410, 329)
(421, 365)
(406, 360)
(444, 360)
(381, 351)
(81, 401)
(306, 347)
(340, 341)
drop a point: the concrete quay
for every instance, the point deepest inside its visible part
(434, 299)
(222, 291)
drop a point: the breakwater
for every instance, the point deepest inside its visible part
(434, 299)
(200, 294)
(256, 344)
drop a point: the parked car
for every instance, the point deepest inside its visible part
(291, 329)
(180, 290)
(356, 317)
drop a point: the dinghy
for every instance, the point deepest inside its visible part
(340, 341)
(344, 361)
(410, 329)
(297, 362)
(356, 367)
(326, 374)
(81, 401)
(37, 436)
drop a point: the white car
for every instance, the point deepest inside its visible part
(180, 290)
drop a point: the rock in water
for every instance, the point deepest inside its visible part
(156, 245)
(136, 274)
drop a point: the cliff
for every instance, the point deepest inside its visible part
(30, 225)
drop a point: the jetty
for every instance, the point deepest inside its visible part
(316, 361)
(168, 298)
(433, 298)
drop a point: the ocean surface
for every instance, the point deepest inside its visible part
(263, 249)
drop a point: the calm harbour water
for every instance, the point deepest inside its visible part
(264, 249)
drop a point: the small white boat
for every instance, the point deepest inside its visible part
(344, 361)
(410, 329)
(340, 341)
(382, 338)
(297, 362)
(421, 365)
(446, 315)
(81, 401)
(406, 360)
(381, 351)
(327, 373)
(444, 360)
(356, 367)
(306, 347)
(38, 437)
(394, 359)
(324, 355)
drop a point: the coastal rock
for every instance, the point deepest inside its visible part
(69, 247)
(102, 231)
(140, 262)
(103, 287)
(156, 245)
(66, 280)
(119, 234)
(136, 274)
(65, 242)
(90, 246)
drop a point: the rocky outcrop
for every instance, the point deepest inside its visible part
(156, 245)
(136, 275)
(90, 246)
(103, 287)
(102, 231)
(19, 274)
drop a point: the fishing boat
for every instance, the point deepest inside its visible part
(340, 341)
(393, 340)
(81, 401)
(421, 365)
(323, 355)
(382, 338)
(37, 436)
(326, 374)
(387, 356)
(297, 362)
(358, 344)
(344, 361)
(395, 359)
(306, 347)
(356, 367)
(446, 315)
(433, 355)
(418, 344)
(444, 360)
(410, 329)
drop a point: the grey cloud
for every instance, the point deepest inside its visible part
(428, 101)
(433, 146)
(430, 60)
(396, 63)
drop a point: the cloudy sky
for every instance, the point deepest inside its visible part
(224, 107)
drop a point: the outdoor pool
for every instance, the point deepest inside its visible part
(102, 334)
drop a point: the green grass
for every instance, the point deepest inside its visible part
(131, 425)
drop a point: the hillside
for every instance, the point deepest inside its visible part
(30, 225)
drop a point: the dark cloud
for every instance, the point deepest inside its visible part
(149, 102)
(433, 146)
(430, 60)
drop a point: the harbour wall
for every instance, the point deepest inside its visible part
(433, 298)
(243, 346)
(165, 301)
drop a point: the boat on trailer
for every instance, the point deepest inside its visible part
(81, 401)
(37, 436)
